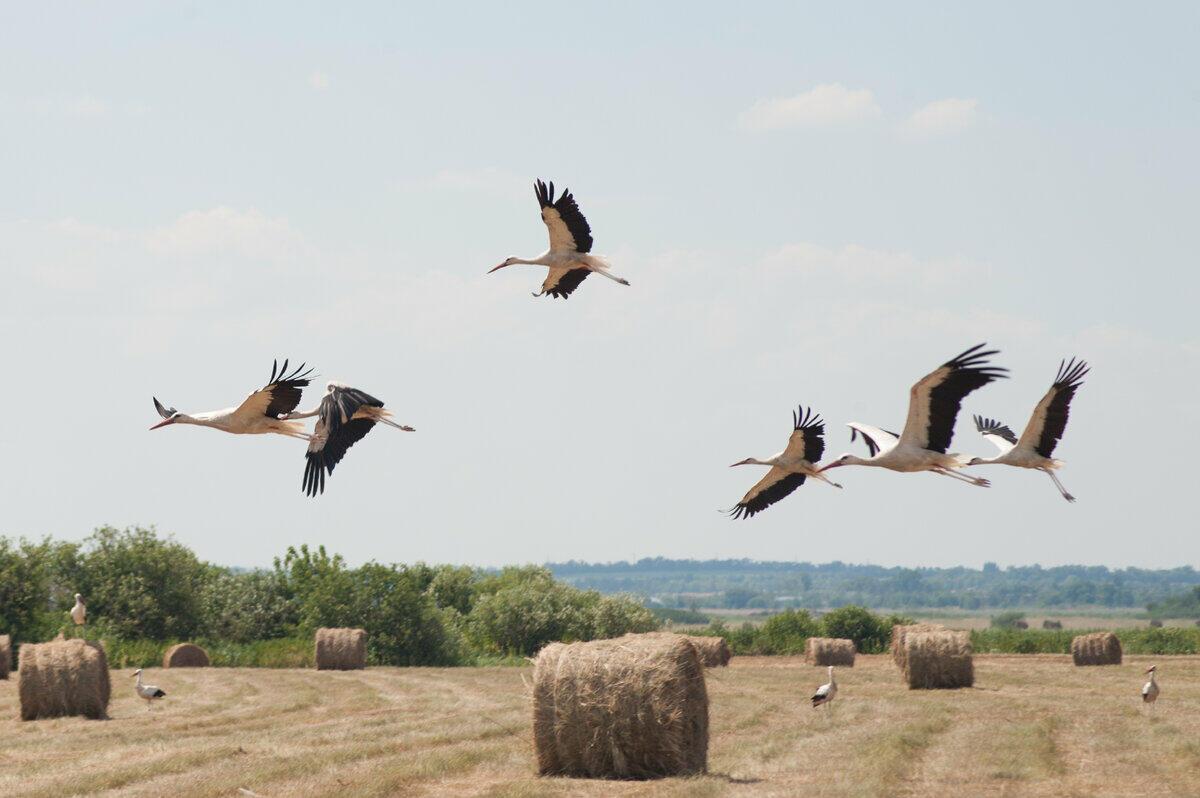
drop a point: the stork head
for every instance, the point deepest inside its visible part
(1151, 669)
(747, 461)
(845, 459)
(507, 262)
(78, 596)
(170, 415)
(976, 461)
(138, 672)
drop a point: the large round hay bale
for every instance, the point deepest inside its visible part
(900, 631)
(1156, 623)
(341, 649)
(1098, 648)
(63, 677)
(634, 707)
(185, 655)
(5, 656)
(938, 660)
(1049, 624)
(1020, 624)
(829, 651)
(714, 651)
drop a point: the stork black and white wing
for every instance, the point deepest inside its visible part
(805, 447)
(561, 282)
(569, 230)
(165, 412)
(1049, 420)
(875, 438)
(775, 486)
(999, 434)
(345, 416)
(934, 401)
(280, 395)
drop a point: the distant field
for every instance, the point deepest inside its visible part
(1070, 618)
(1033, 725)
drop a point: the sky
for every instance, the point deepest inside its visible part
(813, 204)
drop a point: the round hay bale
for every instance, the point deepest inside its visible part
(1098, 648)
(63, 677)
(1156, 623)
(900, 631)
(1020, 624)
(5, 656)
(341, 649)
(185, 655)
(938, 660)
(829, 651)
(635, 707)
(1049, 624)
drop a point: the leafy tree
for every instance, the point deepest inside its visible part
(787, 632)
(243, 607)
(25, 579)
(455, 587)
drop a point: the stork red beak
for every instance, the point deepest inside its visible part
(824, 468)
(163, 423)
(494, 268)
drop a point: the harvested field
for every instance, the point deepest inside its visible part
(1033, 725)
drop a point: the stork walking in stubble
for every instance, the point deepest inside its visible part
(569, 255)
(933, 405)
(789, 468)
(258, 414)
(826, 692)
(1150, 688)
(147, 691)
(1035, 447)
(345, 416)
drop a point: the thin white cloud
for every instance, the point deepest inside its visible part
(825, 105)
(864, 266)
(319, 80)
(942, 118)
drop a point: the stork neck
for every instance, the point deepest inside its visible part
(538, 261)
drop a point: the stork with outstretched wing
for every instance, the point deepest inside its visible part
(569, 256)
(933, 405)
(789, 468)
(1035, 448)
(258, 414)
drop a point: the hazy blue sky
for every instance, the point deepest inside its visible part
(812, 204)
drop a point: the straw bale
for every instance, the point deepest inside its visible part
(830, 651)
(1098, 648)
(633, 707)
(938, 660)
(341, 649)
(185, 655)
(63, 677)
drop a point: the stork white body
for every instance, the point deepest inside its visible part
(569, 257)
(826, 692)
(933, 406)
(1035, 447)
(258, 414)
(1150, 689)
(147, 691)
(79, 611)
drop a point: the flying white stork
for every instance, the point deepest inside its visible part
(570, 244)
(1035, 447)
(147, 691)
(1150, 688)
(258, 414)
(826, 692)
(79, 611)
(345, 415)
(789, 468)
(933, 405)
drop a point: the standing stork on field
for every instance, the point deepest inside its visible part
(570, 244)
(1150, 688)
(147, 691)
(345, 415)
(79, 611)
(826, 692)
(1035, 447)
(789, 468)
(933, 405)
(258, 414)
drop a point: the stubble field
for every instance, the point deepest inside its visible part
(1032, 726)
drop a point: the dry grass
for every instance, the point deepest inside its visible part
(1032, 726)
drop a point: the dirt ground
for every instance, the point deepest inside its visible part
(1032, 726)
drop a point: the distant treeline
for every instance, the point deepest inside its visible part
(739, 584)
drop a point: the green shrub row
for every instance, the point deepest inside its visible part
(1143, 640)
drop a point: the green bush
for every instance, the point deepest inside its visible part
(787, 632)
(1007, 620)
(871, 633)
(241, 607)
